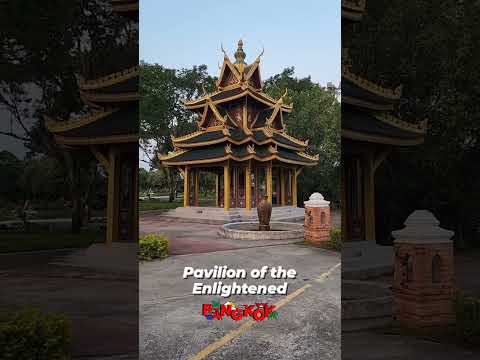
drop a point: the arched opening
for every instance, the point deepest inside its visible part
(409, 268)
(436, 265)
(322, 218)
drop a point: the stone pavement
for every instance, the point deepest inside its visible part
(308, 327)
(376, 346)
(102, 303)
(188, 238)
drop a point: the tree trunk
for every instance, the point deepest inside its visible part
(74, 185)
(171, 185)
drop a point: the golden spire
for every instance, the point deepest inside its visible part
(240, 54)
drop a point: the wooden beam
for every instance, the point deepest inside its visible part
(112, 198)
(186, 187)
(248, 187)
(226, 187)
(197, 187)
(217, 184)
(294, 188)
(369, 196)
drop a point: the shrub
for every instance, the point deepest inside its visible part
(335, 242)
(153, 246)
(468, 319)
(31, 334)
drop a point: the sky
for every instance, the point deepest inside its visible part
(304, 34)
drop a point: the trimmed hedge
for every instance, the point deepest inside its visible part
(153, 246)
(468, 319)
(30, 334)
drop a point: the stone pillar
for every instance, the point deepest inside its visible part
(424, 280)
(317, 219)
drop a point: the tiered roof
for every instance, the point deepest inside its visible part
(367, 107)
(112, 101)
(239, 121)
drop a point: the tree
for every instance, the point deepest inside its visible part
(315, 116)
(430, 48)
(162, 113)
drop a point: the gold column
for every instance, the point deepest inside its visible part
(282, 187)
(369, 196)
(294, 187)
(186, 187)
(269, 182)
(197, 186)
(112, 198)
(216, 189)
(248, 187)
(235, 186)
(226, 187)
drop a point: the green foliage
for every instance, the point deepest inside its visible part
(468, 319)
(153, 246)
(315, 116)
(429, 48)
(9, 176)
(335, 241)
(31, 334)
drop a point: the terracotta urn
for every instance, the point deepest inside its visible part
(264, 210)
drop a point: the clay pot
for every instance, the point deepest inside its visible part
(264, 210)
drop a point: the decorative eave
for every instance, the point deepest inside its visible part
(125, 6)
(99, 140)
(315, 157)
(247, 89)
(392, 94)
(353, 9)
(310, 160)
(109, 80)
(420, 128)
(179, 142)
(95, 97)
(56, 125)
(291, 138)
(171, 154)
(210, 105)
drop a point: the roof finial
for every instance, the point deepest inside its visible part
(224, 52)
(239, 54)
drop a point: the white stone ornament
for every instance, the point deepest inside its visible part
(317, 200)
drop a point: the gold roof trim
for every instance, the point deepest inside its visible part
(54, 126)
(291, 138)
(356, 5)
(172, 154)
(251, 149)
(393, 94)
(110, 79)
(308, 156)
(420, 128)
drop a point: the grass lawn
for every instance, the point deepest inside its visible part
(155, 204)
(12, 242)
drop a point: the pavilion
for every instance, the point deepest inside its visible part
(242, 140)
(110, 132)
(369, 131)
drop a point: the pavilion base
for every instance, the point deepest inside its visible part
(212, 215)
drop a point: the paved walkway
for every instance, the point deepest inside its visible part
(102, 303)
(308, 326)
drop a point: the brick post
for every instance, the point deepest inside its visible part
(317, 219)
(424, 280)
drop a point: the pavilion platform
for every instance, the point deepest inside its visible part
(214, 215)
